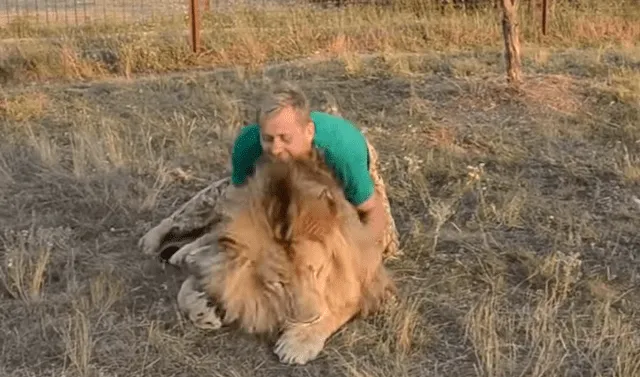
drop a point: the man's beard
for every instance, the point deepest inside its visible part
(286, 156)
(280, 157)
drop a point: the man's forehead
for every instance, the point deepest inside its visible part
(286, 117)
(275, 134)
(279, 128)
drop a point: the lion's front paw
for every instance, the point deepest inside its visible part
(205, 318)
(197, 307)
(299, 345)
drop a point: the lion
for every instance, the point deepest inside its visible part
(290, 259)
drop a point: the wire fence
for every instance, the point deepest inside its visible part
(83, 12)
(77, 12)
(95, 12)
(25, 19)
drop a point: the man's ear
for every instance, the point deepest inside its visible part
(309, 131)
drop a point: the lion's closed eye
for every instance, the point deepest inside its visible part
(275, 285)
(317, 271)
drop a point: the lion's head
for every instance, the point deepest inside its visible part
(292, 250)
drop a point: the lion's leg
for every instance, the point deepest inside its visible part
(198, 213)
(303, 342)
(197, 306)
(379, 293)
(198, 258)
(316, 315)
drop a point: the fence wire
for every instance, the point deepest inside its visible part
(73, 13)
(81, 12)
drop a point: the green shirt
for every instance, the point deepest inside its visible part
(344, 147)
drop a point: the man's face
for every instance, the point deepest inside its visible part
(284, 137)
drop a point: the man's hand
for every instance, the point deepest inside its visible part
(373, 216)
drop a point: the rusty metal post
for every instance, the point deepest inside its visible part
(195, 25)
(545, 7)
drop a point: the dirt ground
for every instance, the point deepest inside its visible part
(516, 210)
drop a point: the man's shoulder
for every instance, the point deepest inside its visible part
(330, 121)
(345, 151)
(248, 135)
(334, 133)
(246, 150)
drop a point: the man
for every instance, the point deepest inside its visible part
(286, 129)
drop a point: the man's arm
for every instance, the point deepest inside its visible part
(202, 209)
(373, 215)
(246, 150)
(353, 169)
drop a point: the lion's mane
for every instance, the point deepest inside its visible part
(292, 249)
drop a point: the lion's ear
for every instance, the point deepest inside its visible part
(289, 222)
(282, 218)
(328, 196)
(317, 155)
(280, 203)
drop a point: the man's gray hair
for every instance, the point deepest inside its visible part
(281, 96)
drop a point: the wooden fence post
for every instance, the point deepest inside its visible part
(195, 25)
(545, 10)
(511, 41)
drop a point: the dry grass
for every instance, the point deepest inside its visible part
(253, 38)
(518, 210)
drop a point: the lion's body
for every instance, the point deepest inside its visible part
(291, 255)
